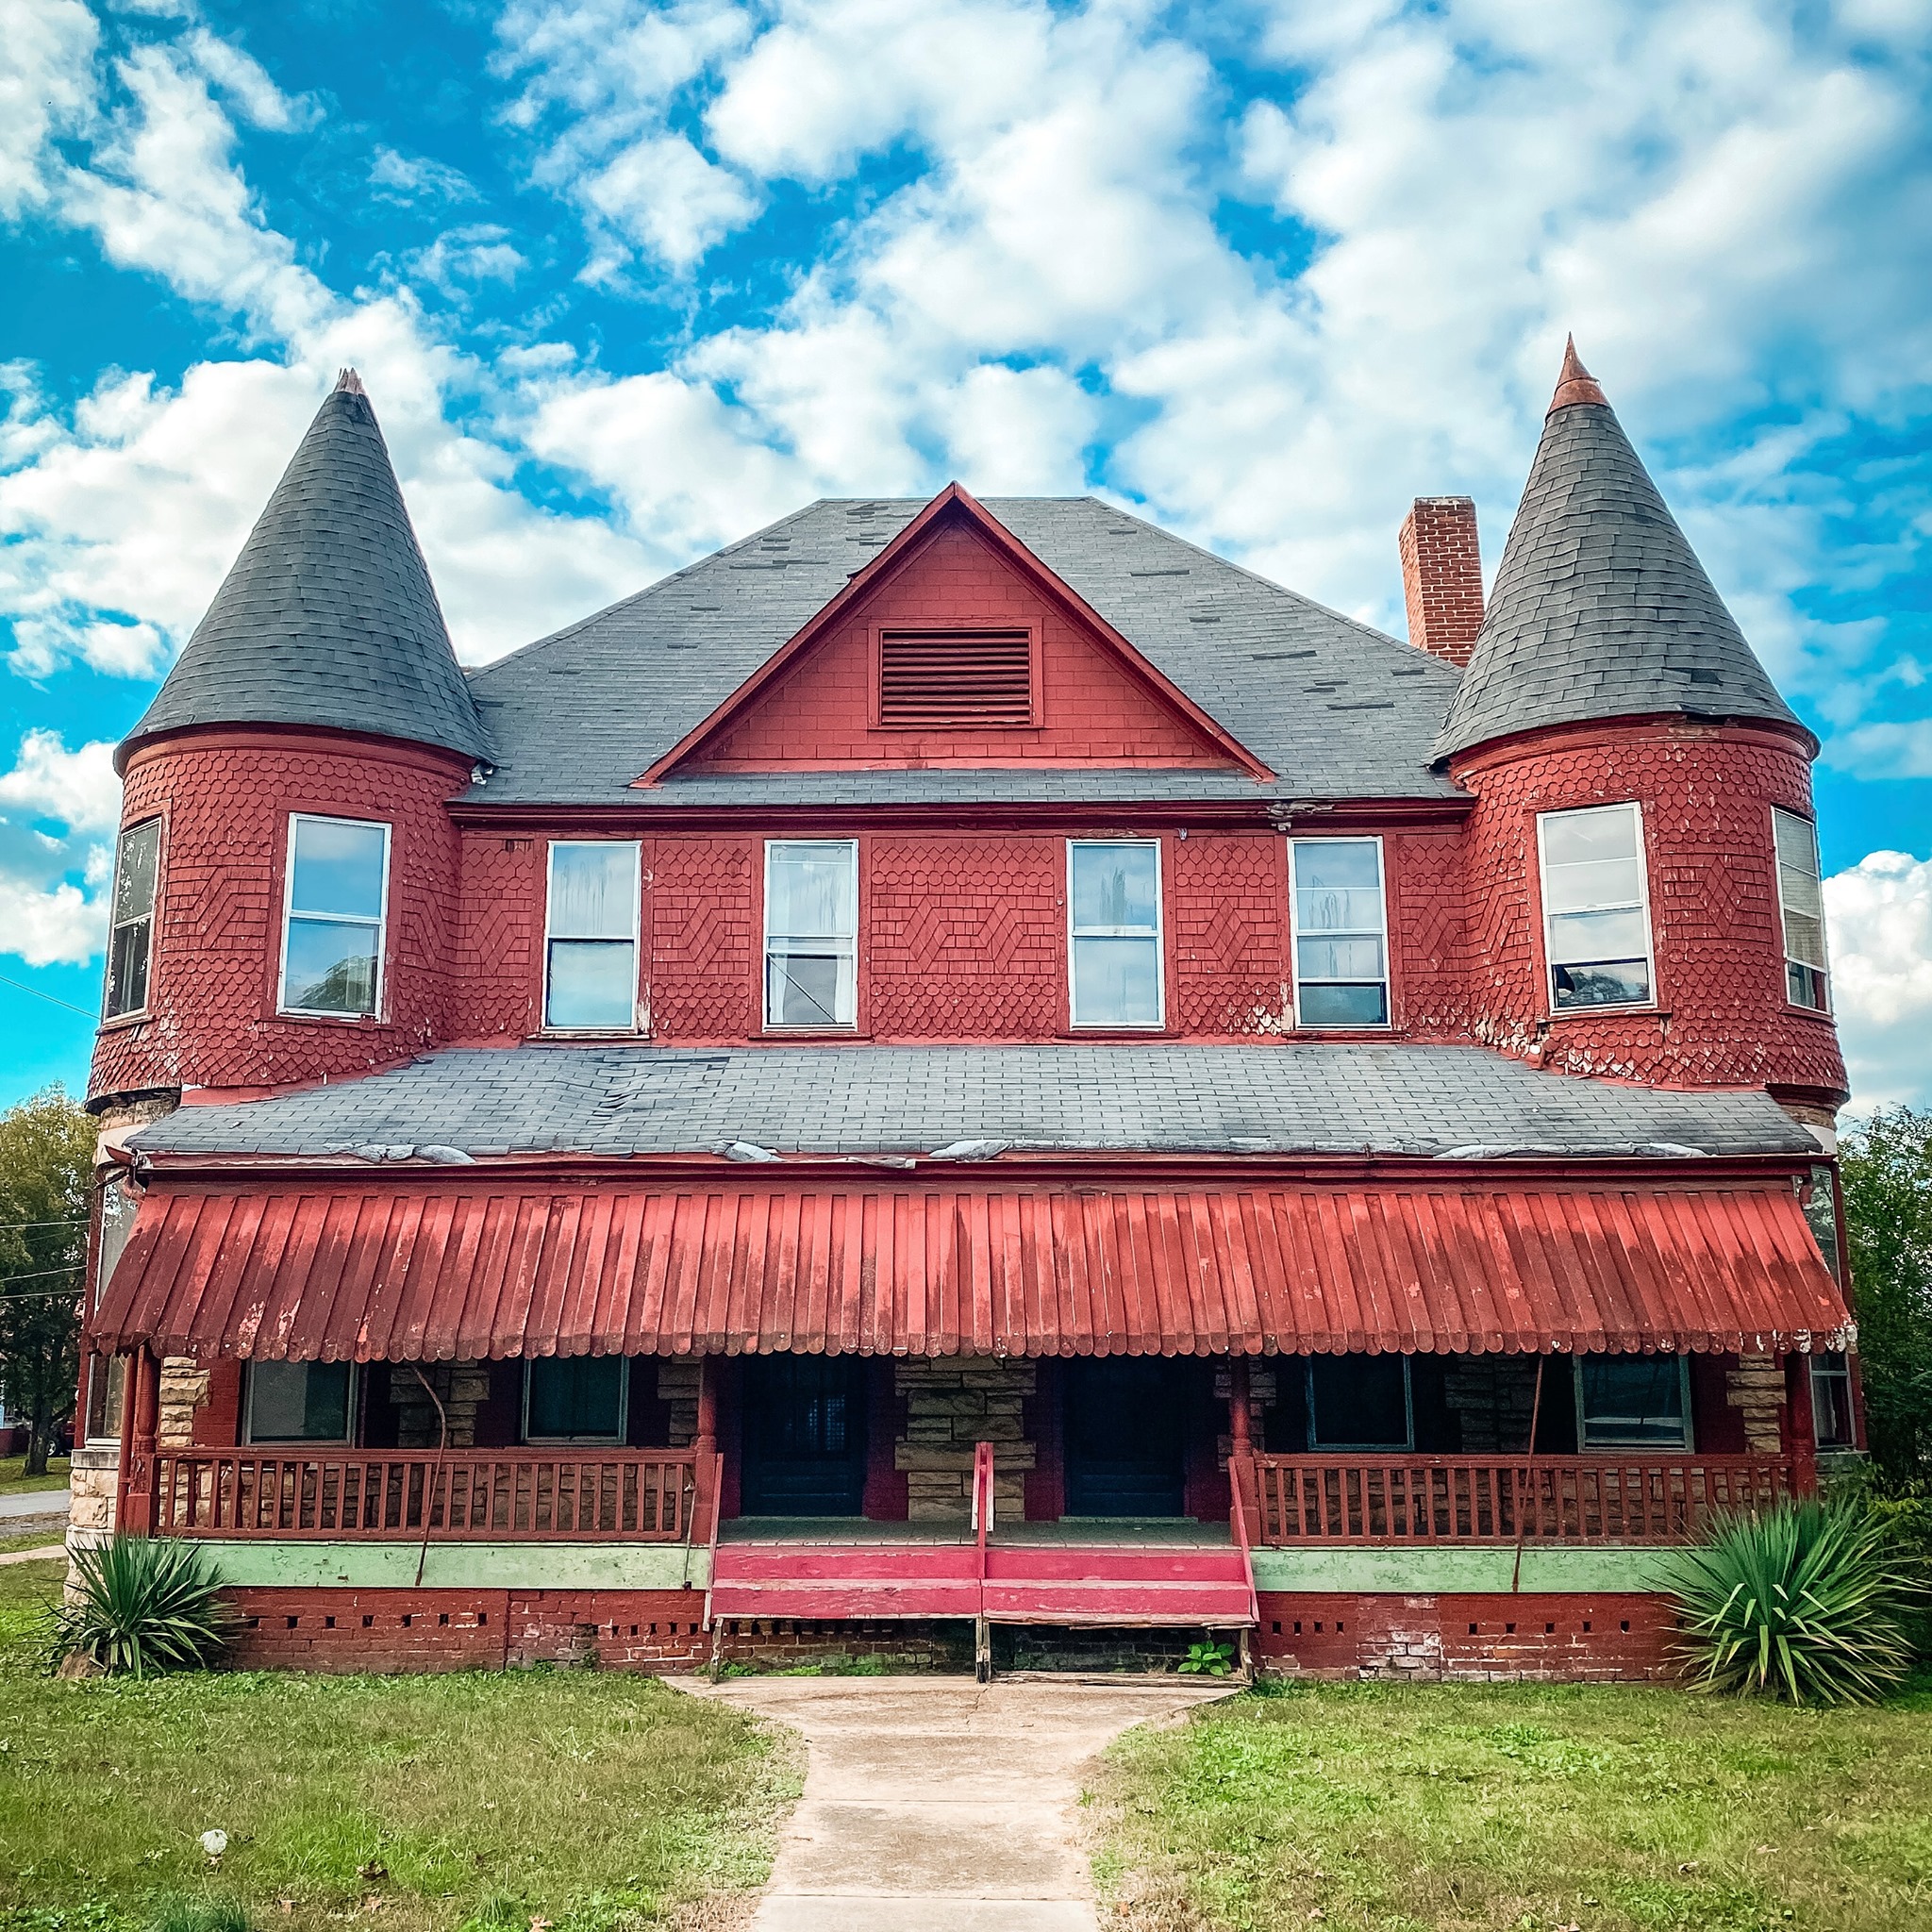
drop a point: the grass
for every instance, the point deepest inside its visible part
(13, 1483)
(416, 1804)
(1520, 1808)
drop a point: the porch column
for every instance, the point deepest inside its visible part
(1240, 1432)
(705, 1444)
(136, 1514)
(1801, 1428)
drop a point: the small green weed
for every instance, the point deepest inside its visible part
(1212, 1658)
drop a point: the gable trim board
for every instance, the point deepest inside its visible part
(953, 503)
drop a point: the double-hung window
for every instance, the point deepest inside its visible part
(300, 1402)
(1801, 910)
(1831, 1401)
(1114, 935)
(131, 931)
(811, 932)
(1633, 1400)
(336, 901)
(1596, 906)
(1340, 932)
(590, 937)
(578, 1398)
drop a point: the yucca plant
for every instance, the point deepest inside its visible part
(1804, 1602)
(141, 1605)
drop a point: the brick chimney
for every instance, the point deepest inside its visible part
(1442, 576)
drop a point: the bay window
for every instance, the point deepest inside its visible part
(1340, 932)
(1801, 912)
(590, 937)
(131, 926)
(334, 912)
(1114, 934)
(1596, 906)
(811, 932)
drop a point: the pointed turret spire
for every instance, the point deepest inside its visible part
(1601, 608)
(328, 617)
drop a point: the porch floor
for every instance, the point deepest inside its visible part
(1069, 1532)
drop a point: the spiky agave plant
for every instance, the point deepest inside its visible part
(1802, 1602)
(141, 1605)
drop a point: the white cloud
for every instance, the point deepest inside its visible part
(459, 258)
(412, 177)
(664, 196)
(57, 926)
(75, 788)
(1880, 921)
(46, 89)
(47, 916)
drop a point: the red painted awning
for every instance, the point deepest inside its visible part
(401, 1268)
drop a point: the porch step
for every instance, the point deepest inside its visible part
(1151, 1588)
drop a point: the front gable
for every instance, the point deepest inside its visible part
(956, 646)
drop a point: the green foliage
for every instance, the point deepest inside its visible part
(1209, 1659)
(1887, 1168)
(198, 1915)
(143, 1605)
(47, 1172)
(1803, 1603)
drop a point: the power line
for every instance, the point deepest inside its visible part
(21, 986)
(10, 1226)
(40, 1275)
(33, 1294)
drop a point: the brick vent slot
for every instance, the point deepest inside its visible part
(955, 677)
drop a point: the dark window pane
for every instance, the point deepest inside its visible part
(128, 953)
(1358, 1401)
(1634, 1399)
(577, 1396)
(1610, 983)
(134, 871)
(1344, 1006)
(1831, 1401)
(298, 1401)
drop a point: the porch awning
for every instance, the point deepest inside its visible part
(437, 1269)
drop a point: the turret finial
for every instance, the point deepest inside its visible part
(1575, 384)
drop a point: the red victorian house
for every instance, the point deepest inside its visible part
(965, 1067)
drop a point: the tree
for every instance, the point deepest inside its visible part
(46, 1174)
(1887, 1166)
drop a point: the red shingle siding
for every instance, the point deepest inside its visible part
(499, 937)
(1228, 902)
(1092, 711)
(226, 796)
(1706, 793)
(706, 936)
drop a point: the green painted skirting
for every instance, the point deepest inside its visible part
(1596, 1569)
(461, 1566)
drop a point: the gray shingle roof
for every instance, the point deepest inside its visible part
(328, 617)
(1601, 608)
(860, 1100)
(1336, 708)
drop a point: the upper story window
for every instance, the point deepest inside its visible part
(1114, 938)
(130, 938)
(811, 932)
(1800, 907)
(1628, 1401)
(337, 903)
(300, 1402)
(956, 680)
(1340, 932)
(590, 937)
(1596, 906)
(578, 1398)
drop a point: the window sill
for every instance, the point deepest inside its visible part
(1092, 1033)
(1560, 1016)
(812, 1033)
(122, 1022)
(590, 1034)
(1826, 1018)
(369, 1023)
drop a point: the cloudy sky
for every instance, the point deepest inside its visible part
(626, 281)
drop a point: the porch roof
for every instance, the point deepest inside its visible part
(404, 1267)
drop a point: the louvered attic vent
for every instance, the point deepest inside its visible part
(955, 677)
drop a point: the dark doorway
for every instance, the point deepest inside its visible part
(1124, 1432)
(803, 1436)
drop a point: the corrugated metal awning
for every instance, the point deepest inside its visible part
(442, 1269)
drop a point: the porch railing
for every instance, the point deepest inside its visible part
(1469, 1499)
(464, 1494)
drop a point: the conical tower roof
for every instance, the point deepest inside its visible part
(1601, 608)
(328, 617)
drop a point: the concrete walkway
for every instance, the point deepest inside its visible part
(937, 1805)
(38, 1555)
(33, 1503)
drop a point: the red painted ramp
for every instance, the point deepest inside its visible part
(1044, 1584)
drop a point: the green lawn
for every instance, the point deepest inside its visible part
(1520, 1808)
(13, 1483)
(592, 1801)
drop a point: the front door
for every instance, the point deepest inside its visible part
(803, 1436)
(1124, 1436)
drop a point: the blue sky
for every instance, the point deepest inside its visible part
(625, 281)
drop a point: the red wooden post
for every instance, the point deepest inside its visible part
(1240, 1455)
(1801, 1429)
(709, 1471)
(141, 1420)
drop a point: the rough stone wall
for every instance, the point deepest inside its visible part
(93, 1493)
(224, 798)
(677, 1388)
(463, 1388)
(1491, 1397)
(1706, 793)
(184, 1390)
(1754, 1387)
(951, 1405)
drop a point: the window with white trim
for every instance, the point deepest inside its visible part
(590, 937)
(1340, 932)
(1596, 906)
(301, 1401)
(1801, 912)
(1633, 1400)
(1831, 1401)
(578, 1398)
(1114, 945)
(131, 929)
(811, 932)
(1360, 1402)
(335, 906)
